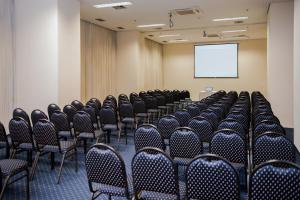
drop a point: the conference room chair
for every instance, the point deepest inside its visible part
(77, 104)
(240, 117)
(166, 125)
(140, 111)
(93, 114)
(161, 104)
(275, 180)
(4, 143)
(184, 145)
(84, 129)
(193, 110)
(37, 115)
(211, 177)
(126, 117)
(169, 101)
(62, 125)
(201, 106)
(273, 146)
(12, 170)
(97, 101)
(152, 108)
(212, 117)
(235, 125)
(106, 168)
(19, 112)
(183, 117)
(70, 112)
(154, 175)
(47, 141)
(108, 121)
(51, 108)
(267, 126)
(95, 106)
(112, 98)
(264, 116)
(21, 138)
(147, 135)
(132, 97)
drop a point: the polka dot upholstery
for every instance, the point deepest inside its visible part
(239, 117)
(92, 112)
(265, 116)
(60, 120)
(45, 134)
(153, 171)
(183, 117)
(201, 106)
(272, 146)
(193, 110)
(202, 127)
(212, 178)
(82, 123)
(19, 112)
(105, 166)
(212, 117)
(148, 136)
(275, 180)
(166, 125)
(228, 144)
(184, 143)
(268, 126)
(70, 111)
(36, 115)
(20, 132)
(233, 125)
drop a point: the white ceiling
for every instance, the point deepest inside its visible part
(190, 27)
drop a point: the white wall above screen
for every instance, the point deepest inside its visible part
(216, 61)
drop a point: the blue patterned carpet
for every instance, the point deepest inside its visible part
(73, 185)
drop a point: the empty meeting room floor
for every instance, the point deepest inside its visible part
(72, 185)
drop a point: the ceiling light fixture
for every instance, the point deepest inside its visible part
(171, 35)
(109, 5)
(150, 25)
(234, 31)
(230, 19)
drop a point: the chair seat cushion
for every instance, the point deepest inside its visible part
(64, 145)
(110, 127)
(64, 134)
(11, 167)
(162, 107)
(141, 115)
(86, 135)
(149, 195)
(111, 190)
(25, 146)
(128, 120)
(152, 110)
(170, 104)
(3, 144)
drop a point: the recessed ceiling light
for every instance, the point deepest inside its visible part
(150, 25)
(171, 35)
(234, 31)
(109, 5)
(230, 19)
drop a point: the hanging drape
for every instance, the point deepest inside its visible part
(7, 53)
(152, 65)
(98, 61)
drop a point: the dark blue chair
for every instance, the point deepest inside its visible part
(267, 126)
(183, 117)
(166, 126)
(202, 127)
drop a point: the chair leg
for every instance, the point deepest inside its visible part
(36, 159)
(29, 158)
(84, 146)
(4, 187)
(52, 157)
(61, 166)
(7, 152)
(13, 153)
(27, 185)
(76, 160)
(125, 133)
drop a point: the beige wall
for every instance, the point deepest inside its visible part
(179, 69)
(280, 61)
(297, 73)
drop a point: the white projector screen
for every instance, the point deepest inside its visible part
(216, 61)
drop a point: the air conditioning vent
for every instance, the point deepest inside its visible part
(119, 7)
(100, 20)
(212, 35)
(187, 11)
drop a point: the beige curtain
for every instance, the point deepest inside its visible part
(7, 53)
(98, 61)
(152, 66)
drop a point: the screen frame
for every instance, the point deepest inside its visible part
(238, 45)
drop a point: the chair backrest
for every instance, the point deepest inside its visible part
(153, 170)
(264, 116)
(230, 145)
(139, 106)
(275, 180)
(273, 146)
(70, 111)
(94, 105)
(105, 166)
(147, 135)
(193, 110)
(37, 115)
(97, 101)
(126, 110)
(211, 177)
(201, 106)
(51, 108)
(167, 125)
(60, 121)
(268, 126)
(82, 123)
(184, 143)
(202, 127)
(239, 117)
(211, 117)
(233, 125)
(19, 112)
(77, 104)
(112, 98)
(45, 134)
(20, 131)
(92, 112)
(3, 136)
(183, 117)
(107, 116)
